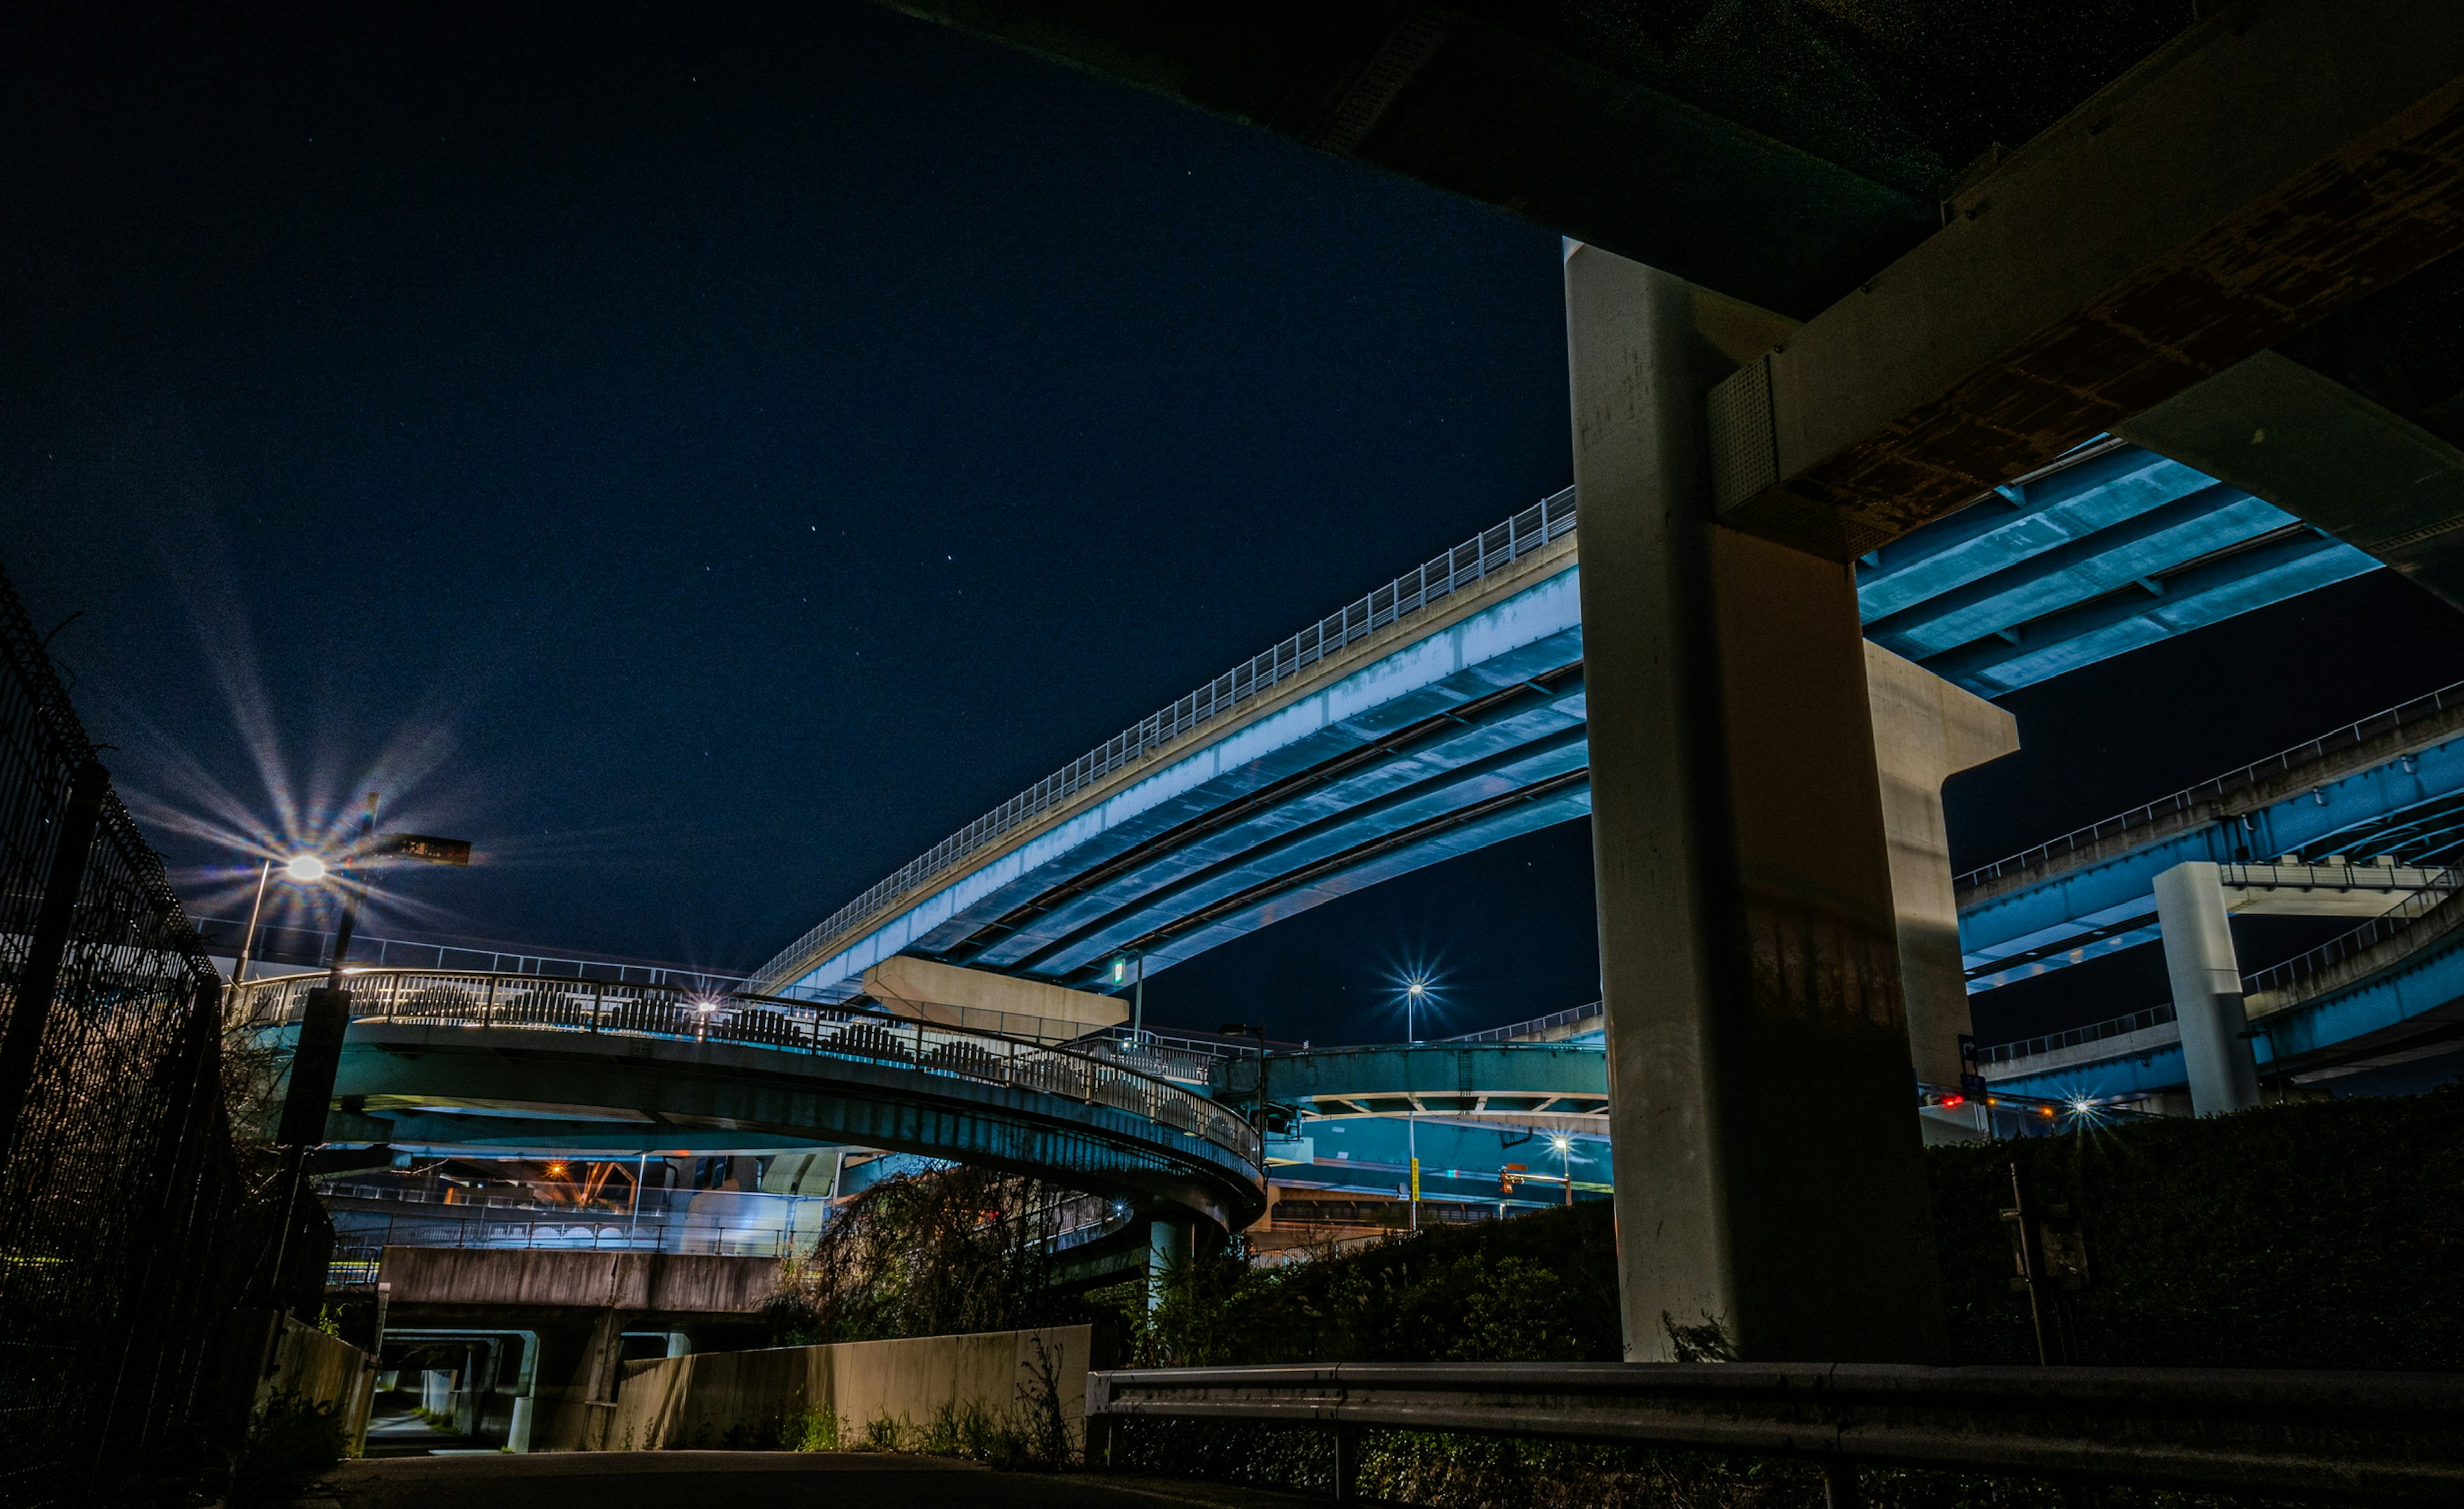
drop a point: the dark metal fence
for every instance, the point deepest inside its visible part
(116, 1174)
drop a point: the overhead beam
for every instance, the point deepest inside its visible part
(2277, 162)
(2306, 443)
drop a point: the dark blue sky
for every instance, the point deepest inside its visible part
(705, 458)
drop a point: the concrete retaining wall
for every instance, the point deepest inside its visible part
(320, 1369)
(840, 1394)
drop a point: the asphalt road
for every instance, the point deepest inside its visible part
(754, 1480)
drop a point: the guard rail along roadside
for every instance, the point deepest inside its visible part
(2444, 699)
(2373, 1438)
(1474, 560)
(536, 1002)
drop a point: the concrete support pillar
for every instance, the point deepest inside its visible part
(1925, 730)
(1168, 1246)
(2207, 988)
(1770, 1203)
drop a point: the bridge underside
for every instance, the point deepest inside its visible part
(520, 1089)
(1474, 732)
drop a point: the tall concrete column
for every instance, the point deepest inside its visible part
(1168, 1246)
(2206, 978)
(1927, 731)
(1770, 1203)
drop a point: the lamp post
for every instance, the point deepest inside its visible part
(1416, 990)
(1565, 1146)
(255, 911)
(1137, 995)
(326, 1018)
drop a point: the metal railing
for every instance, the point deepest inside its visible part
(1466, 564)
(378, 953)
(2095, 1032)
(2282, 762)
(126, 1229)
(2274, 977)
(1538, 1024)
(2378, 930)
(843, 1031)
(2353, 1436)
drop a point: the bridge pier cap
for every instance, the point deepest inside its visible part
(1770, 1204)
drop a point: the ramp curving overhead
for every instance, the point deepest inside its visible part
(522, 1062)
(1444, 712)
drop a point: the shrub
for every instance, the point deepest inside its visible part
(292, 1442)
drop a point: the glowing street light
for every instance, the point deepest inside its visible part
(1416, 994)
(1565, 1146)
(305, 868)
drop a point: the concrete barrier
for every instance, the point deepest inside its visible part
(272, 1354)
(898, 1393)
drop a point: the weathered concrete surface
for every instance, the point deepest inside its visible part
(1925, 730)
(1771, 1199)
(268, 1354)
(674, 1283)
(988, 1002)
(757, 1399)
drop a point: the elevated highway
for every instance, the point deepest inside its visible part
(519, 1063)
(1445, 711)
(2364, 821)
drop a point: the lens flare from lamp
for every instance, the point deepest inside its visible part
(305, 868)
(1561, 1144)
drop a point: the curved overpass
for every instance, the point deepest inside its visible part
(1445, 711)
(519, 1061)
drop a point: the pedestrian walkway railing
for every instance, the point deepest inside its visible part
(530, 1001)
(1466, 565)
(2284, 761)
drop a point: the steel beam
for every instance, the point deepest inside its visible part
(2277, 162)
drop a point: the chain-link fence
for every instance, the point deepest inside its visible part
(118, 1180)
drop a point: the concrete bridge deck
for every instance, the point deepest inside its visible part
(479, 1062)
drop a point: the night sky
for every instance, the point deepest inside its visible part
(704, 459)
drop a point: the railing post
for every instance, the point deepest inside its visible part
(1347, 1463)
(487, 1010)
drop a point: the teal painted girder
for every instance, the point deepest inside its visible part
(1462, 1079)
(804, 1099)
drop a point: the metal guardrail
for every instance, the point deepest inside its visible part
(2094, 1032)
(1466, 564)
(378, 953)
(1524, 1028)
(2274, 977)
(2378, 930)
(2282, 762)
(646, 1011)
(2378, 1438)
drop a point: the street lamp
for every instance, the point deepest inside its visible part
(325, 1016)
(1565, 1146)
(1137, 997)
(1416, 992)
